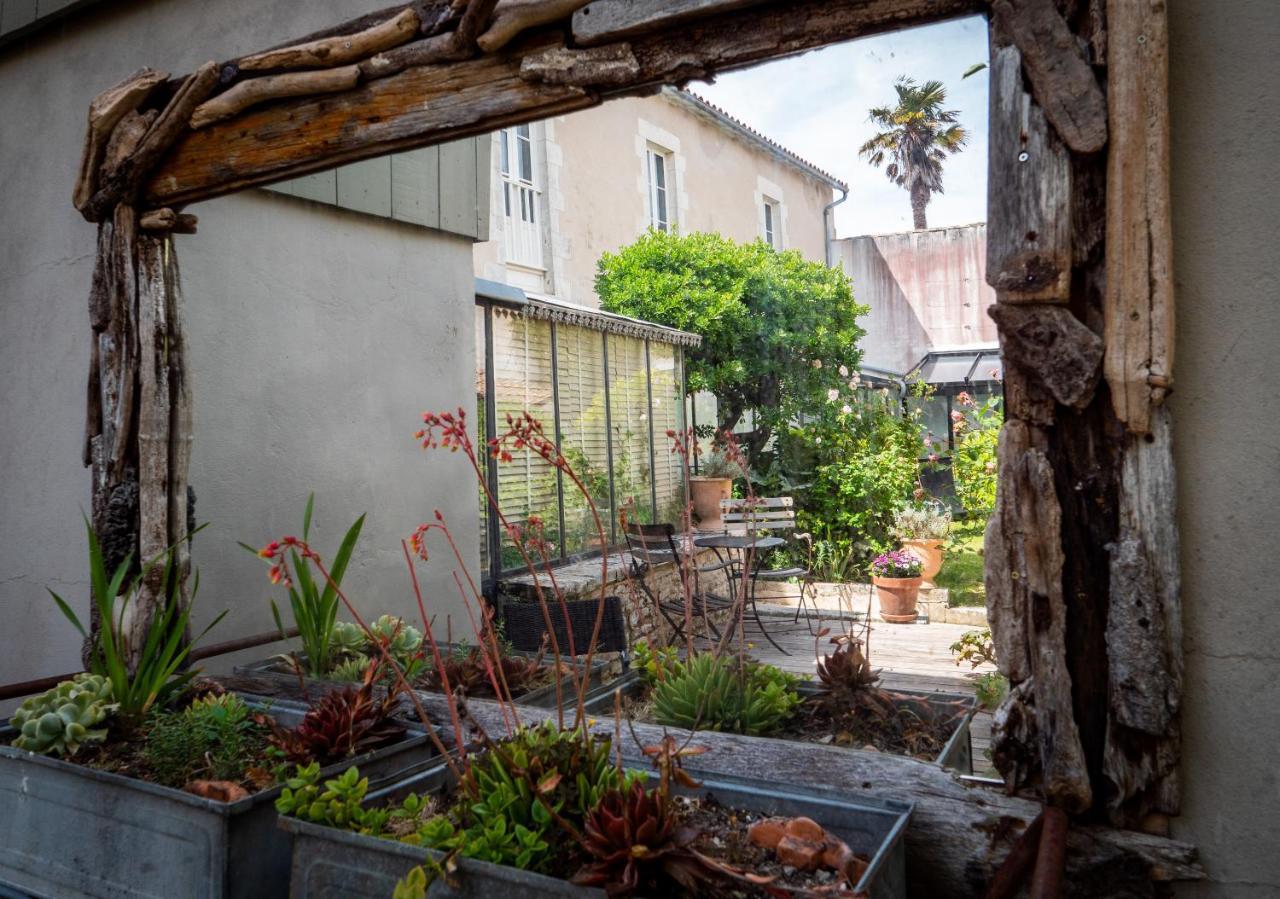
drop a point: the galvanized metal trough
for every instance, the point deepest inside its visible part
(956, 755)
(330, 863)
(69, 831)
(543, 697)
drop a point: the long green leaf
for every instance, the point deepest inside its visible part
(306, 516)
(66, 610)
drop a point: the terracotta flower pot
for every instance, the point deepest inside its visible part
(929, 552)
(898, 598)
(706, 496)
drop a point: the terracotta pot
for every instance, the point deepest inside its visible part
(898, 598)
(706, 496)
(929, 552)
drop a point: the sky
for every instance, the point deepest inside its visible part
(816, 106)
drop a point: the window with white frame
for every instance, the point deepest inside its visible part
(522, 233)
(661, 209)
(771, 223)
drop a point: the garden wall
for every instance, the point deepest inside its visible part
(1226, 190)
(316, 336)
(926, 289)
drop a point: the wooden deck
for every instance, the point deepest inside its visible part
(910, 657)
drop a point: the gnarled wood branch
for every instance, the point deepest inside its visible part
(105, 112)
(514, 16)
(274, 87)
(1061, 80)
(339, 50)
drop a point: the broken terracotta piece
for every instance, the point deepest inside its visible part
(218, 790)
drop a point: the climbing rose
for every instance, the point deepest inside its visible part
(833, 395)
(844, 371)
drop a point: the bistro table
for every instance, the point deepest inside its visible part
(746, 546)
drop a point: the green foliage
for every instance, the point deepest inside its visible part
(215, 737)
(413, 885)
(314, 605)
(158, 673)
(61, 720)
(350, 671)
(991, 689)
(515, 787)
(402, 639)
(777, 329)
(975, 647)
(348, 638)
(976, 427)
(963, 569)
(338, 803)
(717, 693)
(848, 466)
(654, 663)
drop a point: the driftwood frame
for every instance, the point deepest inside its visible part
(1082, 552)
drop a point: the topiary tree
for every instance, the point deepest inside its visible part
(779, 333)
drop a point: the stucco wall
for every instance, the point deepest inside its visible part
(596, 194)
(317, 336)
(926, 289)
(1224, 83)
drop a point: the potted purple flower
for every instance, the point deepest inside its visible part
(897, 576)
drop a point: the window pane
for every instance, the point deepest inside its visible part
(580, 353)
(933, 420)
(768, 224)
(522, 382)
(504, 136)
(629, 415)
(659, 171)
(664, 361)
(526, 154)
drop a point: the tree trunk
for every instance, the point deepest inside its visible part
(919, 200)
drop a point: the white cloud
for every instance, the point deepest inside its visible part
(816, 105)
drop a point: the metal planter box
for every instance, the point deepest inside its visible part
(956, 755)
(543, 697)
(69, 831)
(336, 864)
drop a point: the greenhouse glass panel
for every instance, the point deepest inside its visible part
(522, 381)
(629, 414)
(584, 438)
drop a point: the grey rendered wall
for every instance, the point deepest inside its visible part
(1224, 88)
(317, 337)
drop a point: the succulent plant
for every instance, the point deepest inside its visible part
(467, 673)
(216, 736)
(654, 663)
(635, 843)
(343, 723)
(338, 803)
(846, 672)
(351, 671)
(400, 638)
(61, 720)
(711, 692)
(348, 638)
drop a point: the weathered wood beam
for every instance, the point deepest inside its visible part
(418, 106)
(959, 833)
(1061, 80)
(605, 21)
(339, 50)
(1139, 296)
(273, 87)
(421, 106)
(167, 219)
(105, 112)
(1029, 232)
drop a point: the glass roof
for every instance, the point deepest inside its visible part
(963, 367)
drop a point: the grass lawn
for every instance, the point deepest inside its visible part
(962, 569)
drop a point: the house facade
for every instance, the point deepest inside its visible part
(571, 188)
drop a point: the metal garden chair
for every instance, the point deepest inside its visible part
(761, 515)
(655, 544)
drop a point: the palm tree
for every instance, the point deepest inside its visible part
(917, 135)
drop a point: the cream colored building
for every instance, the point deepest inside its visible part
(573, 187)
